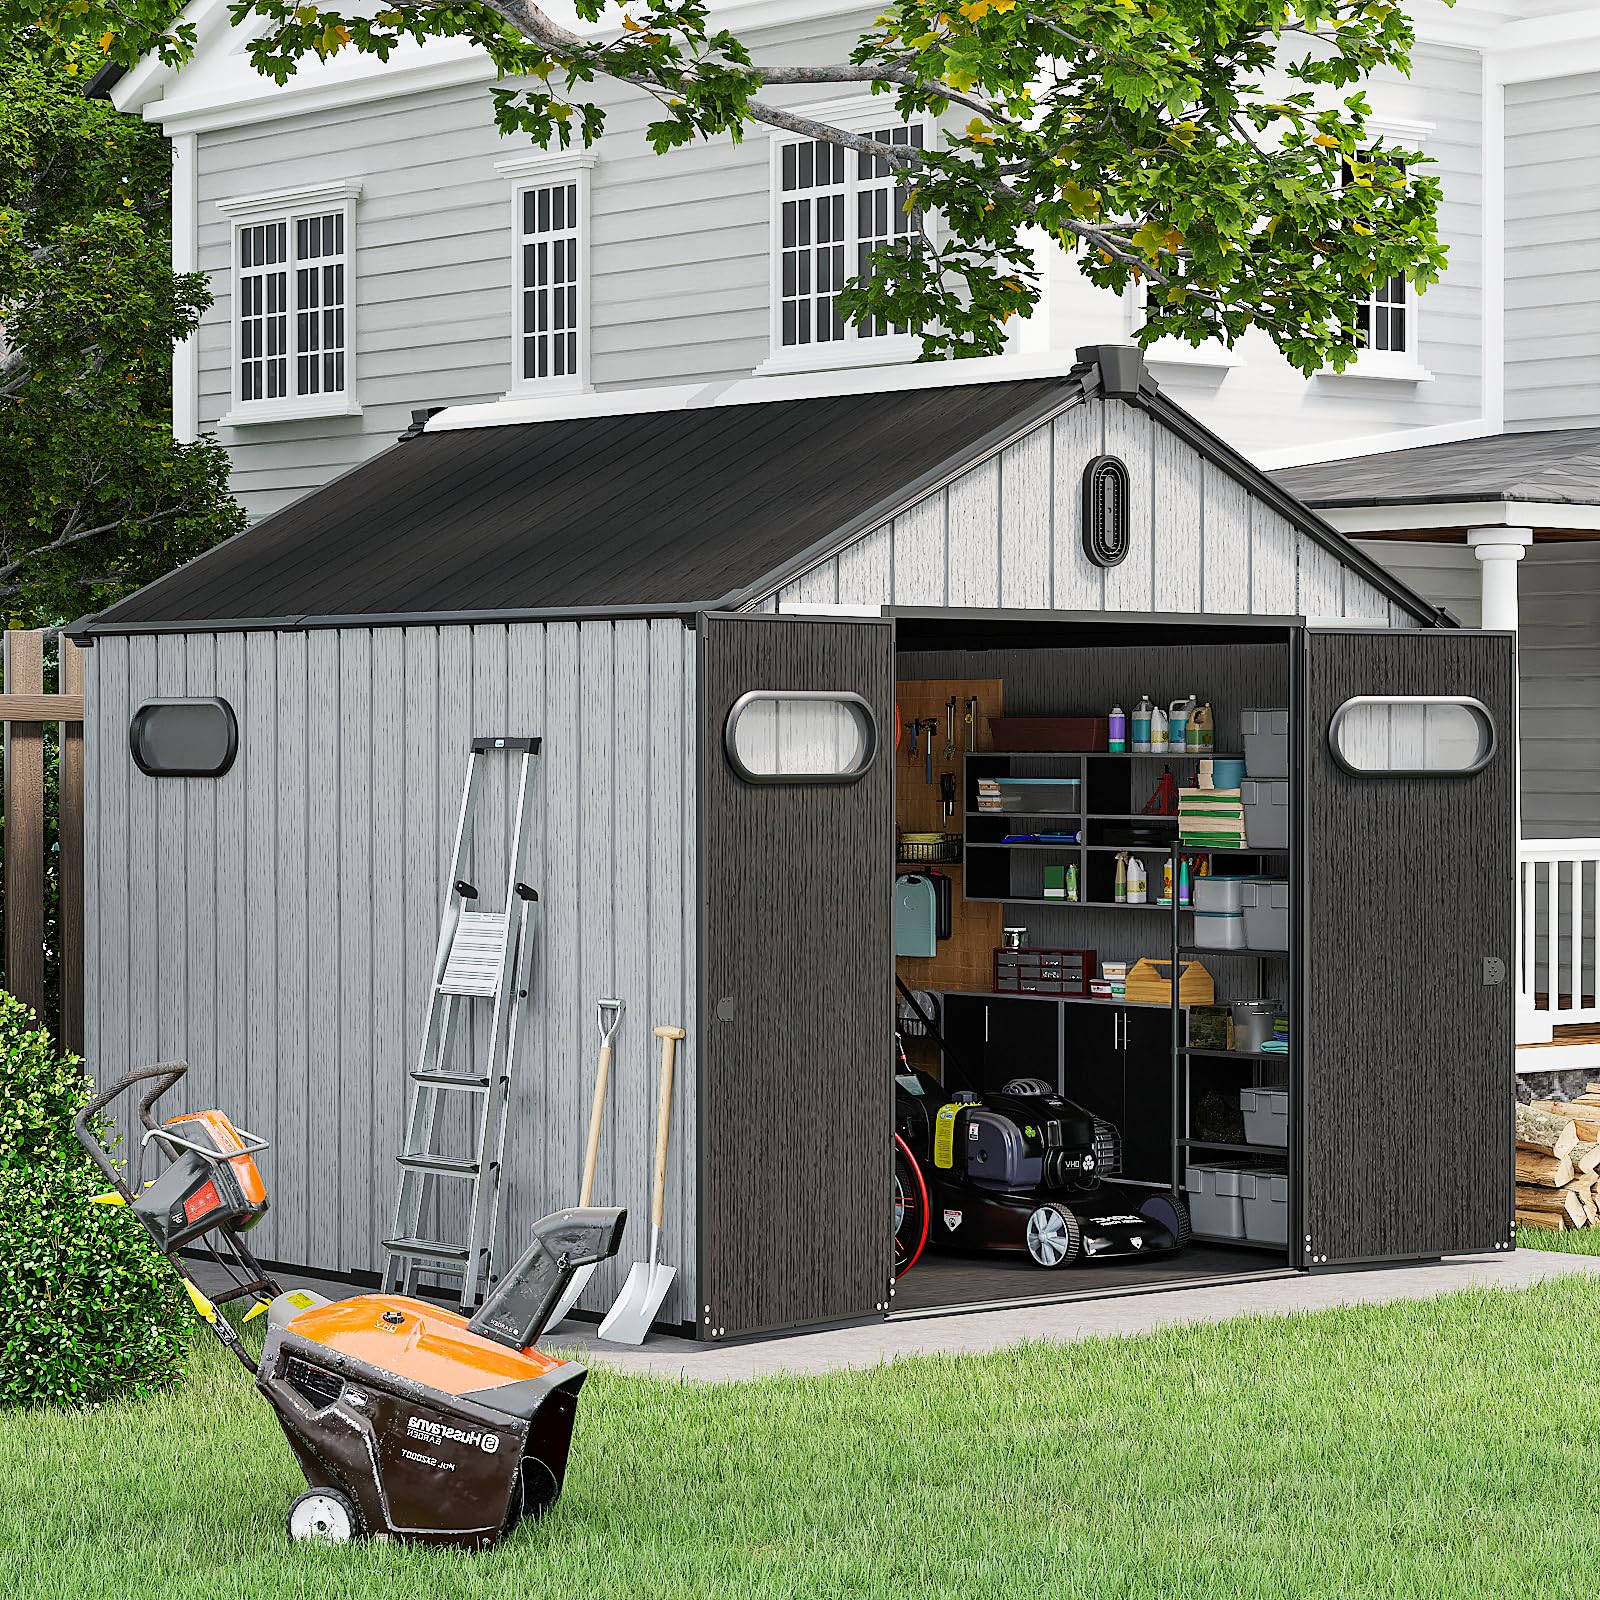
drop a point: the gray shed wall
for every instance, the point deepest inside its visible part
(1007, 533)
(276, 926)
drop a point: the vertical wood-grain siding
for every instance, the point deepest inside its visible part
(276, 927)
(1007, 533)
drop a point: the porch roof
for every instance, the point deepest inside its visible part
(1547, 480)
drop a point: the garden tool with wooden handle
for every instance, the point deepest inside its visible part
(628, 1321)
(610, 1014)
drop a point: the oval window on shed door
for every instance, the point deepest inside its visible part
(184, 738)
(1412, 735)
(800, 736)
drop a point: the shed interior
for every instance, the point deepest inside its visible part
(979, 696)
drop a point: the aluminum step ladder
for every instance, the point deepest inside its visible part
(482, 959)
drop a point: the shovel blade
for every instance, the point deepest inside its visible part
(628, 1321)
(580, 1281)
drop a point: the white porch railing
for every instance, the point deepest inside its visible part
(1558, 968)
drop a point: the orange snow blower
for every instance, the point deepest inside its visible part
(409, 1421)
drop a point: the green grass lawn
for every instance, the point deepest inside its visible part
(1574, 1242)
(1419, 1449)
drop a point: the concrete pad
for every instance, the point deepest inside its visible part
(974, 1332)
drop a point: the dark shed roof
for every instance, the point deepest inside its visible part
(659, 513)
(668, 509)
(1560, 467)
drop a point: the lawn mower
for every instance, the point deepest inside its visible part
(1021, 1170)
(409, 1421)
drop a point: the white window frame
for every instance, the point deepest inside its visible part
(1395, 366)
(1173, 351)
(544, 169)
(286, 205)
(858, 114)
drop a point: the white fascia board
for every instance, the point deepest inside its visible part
(745, 391)
(1372, 444)
(217, 87)
(238, 96)
(1367, 521)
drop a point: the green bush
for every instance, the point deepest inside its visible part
(88, 1309)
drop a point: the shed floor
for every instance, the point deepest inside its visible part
(940, 1283)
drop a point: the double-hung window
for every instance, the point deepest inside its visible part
(293, 350)
(832, 208)
(1386, 317)
(550, 274)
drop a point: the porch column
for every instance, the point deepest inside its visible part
(1498, 551)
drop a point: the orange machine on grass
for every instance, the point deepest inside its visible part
(407, 1420)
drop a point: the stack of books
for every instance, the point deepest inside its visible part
(1213, 818)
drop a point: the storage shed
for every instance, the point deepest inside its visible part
(721, 624)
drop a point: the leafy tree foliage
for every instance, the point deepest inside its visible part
(1215, 151)
(96, 498)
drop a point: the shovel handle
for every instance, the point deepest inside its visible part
(596, 1115)
(669, 1038)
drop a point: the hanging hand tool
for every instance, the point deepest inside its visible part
(947, 793)
(915, 725)
(950, 729)
(972, 723)
(932, 726)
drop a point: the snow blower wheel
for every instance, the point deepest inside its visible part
(1054, 1237)
(323, 1516)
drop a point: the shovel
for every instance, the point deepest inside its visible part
(610, 1013)
(628, 1321)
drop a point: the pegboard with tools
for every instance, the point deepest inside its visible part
(946, 717)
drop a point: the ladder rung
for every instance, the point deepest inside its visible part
(431, 1249)
(440, 1164)
(454, 1080)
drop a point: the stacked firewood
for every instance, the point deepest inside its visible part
(1558, 1163)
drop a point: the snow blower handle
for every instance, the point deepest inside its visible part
(169, 1072)
(519, 1306)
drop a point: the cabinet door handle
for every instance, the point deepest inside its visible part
(986, 1022)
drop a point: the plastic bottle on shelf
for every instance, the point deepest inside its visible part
(1158, 729)
(1201, 734)
(1072, 882)
(1141, 725)
(1166, 883)
(1119, 885)
(1117, 731)
(1178, 714)
(1185, 887)
(1138, 882)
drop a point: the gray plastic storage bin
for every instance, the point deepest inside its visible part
(1266, 813)
(1215, 1204)
(1219, 930)
(1219, 894)
(1266, 1116)
(1266, 914)
(1264, 1200)
(1266, 743)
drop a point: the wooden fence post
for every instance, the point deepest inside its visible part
(69, 835)
(24, 841)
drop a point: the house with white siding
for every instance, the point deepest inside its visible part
(377, 249)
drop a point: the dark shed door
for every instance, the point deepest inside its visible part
(1409, 897)
(795, 1212)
